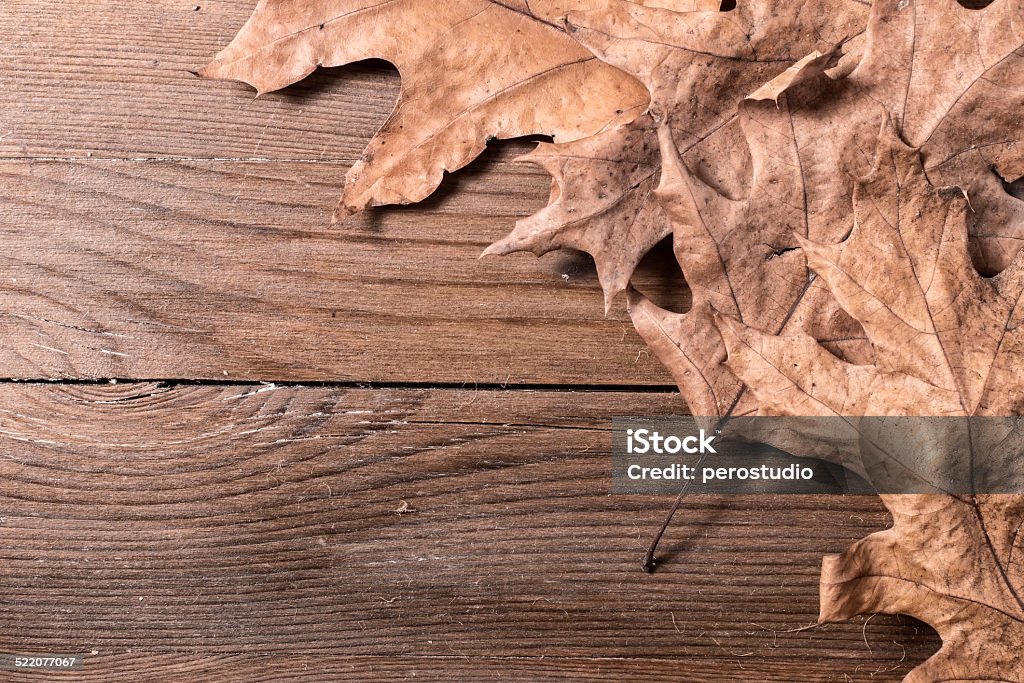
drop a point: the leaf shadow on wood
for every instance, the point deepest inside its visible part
(658, 275)
(478, 174)
(659, 278)
(326, 82)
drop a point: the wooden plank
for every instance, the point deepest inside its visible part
(208, 269)
(114, 80)
(261, 520)
(255, 669)
(212, 269)
(325, 522)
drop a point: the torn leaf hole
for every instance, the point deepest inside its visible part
(1014, 188)
(776, 252)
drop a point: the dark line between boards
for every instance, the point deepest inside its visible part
(345, 384)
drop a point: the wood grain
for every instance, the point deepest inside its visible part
(185, 264)
(259, 520)
(207, 269)
(201, 668)
(114, 80)
(159, 226)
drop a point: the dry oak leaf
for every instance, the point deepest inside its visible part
(471, 70)
(952, 81)
(740, 256)
(933, 81)
(725, 179)
(948, 342)
(601, 203)
(698, 64)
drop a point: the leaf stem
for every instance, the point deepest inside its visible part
(649, 563)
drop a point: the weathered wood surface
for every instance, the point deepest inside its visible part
(156, 226)
(272, 668)
(187, 263)
(114, 80)
(220, 270)
(194, 521)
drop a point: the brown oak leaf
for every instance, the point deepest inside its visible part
(952, 81)
(739, 255)
(726, 180)
(817, 134)
(475, 70)
(948, 342)
(698, 65)
(601, 202)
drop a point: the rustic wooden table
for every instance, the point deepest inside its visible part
(337, 452)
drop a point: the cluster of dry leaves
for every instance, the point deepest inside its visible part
(836, 179)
